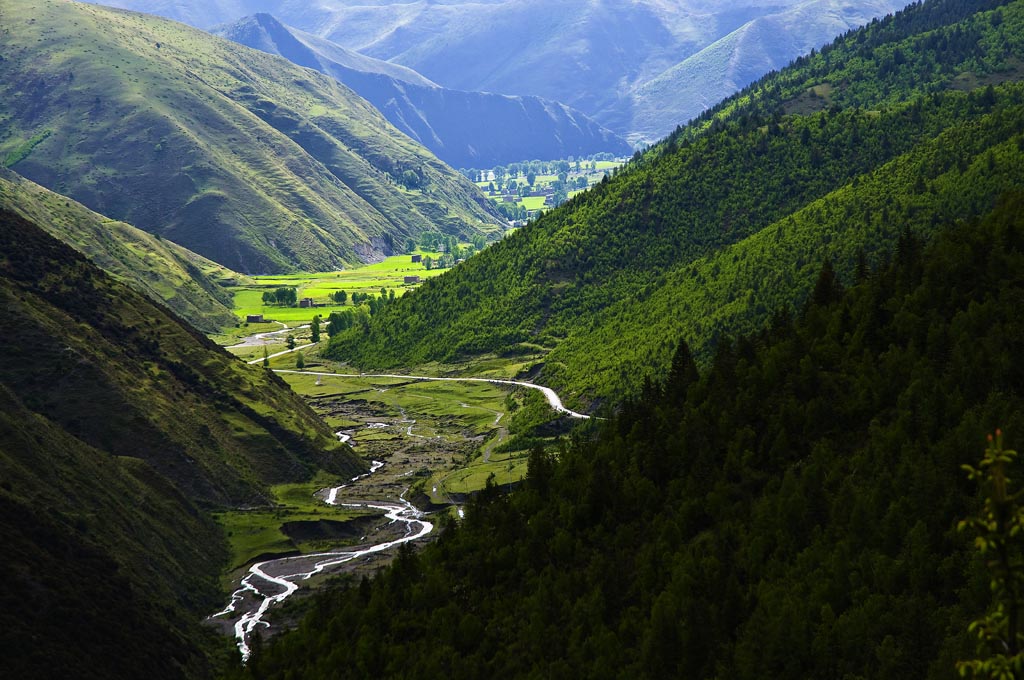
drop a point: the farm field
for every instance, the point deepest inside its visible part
(505, 185)
(389, 274)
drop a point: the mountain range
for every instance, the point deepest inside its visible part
(638, 68)
(240, 156)
(803, 312)
(464, 129)
(797, 317)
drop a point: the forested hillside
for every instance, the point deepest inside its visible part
(237, 155)
(118, 423)
(788, 513)
(910, 123)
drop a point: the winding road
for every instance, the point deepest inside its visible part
(553, 399)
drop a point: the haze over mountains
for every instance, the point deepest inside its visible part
(235, 154)
(464, 129)
(638, 68)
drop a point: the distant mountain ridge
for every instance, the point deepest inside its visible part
(239, 156)
(637, 68)
(464, 129)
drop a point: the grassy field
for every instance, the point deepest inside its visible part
(409, 412)
(257, 532)
(414, 410)
(390, 274)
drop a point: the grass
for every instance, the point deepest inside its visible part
(452, 411)
(257, 532)
(390, 274)
(143, 97)
(449, 410)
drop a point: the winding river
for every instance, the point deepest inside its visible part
(272, 581)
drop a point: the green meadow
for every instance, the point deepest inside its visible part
(257, 532)
(452, 411)
(390, 274)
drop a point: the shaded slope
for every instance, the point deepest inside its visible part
(118, 423)
(120, 373)
(464, 129)
(579, 279)
(789, 513)
(237, 155)
(187, 283)
(107, 569)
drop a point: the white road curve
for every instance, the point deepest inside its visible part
(281, 354)
(549, 394)
(261, 338)
(272, 581)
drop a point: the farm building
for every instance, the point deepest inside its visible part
(254, 318)
(307, 302)
(412, 279)
(417, 258)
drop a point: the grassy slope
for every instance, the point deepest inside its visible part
(237, 155)
(119, 372)
(187, 283)
(606, 277)
(118, 423)
(99, 551)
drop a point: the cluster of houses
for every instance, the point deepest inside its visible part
(547, 192)
(309, 302)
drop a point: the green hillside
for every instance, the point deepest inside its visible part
(119, 424)
(789, 513)
(239, 156)
(165, 272)
(914, 121)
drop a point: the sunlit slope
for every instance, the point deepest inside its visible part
(707, 231)
(239, 156)
(187, 283)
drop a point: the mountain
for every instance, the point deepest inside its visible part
(909, 123)
(119, 425)
(764, 44)
(237, 155)
(167, 273)
(789, 512)
(464, 129)
(638, 68)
